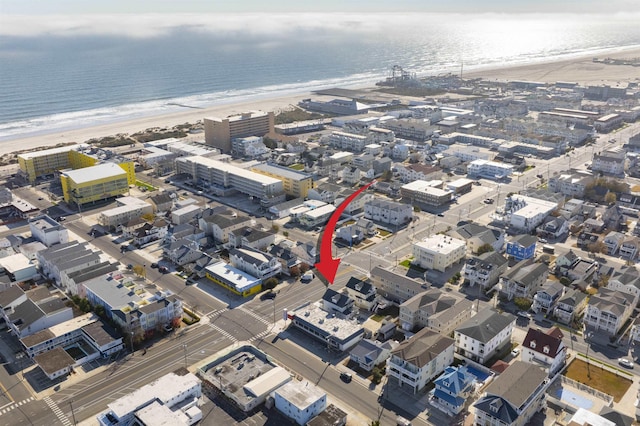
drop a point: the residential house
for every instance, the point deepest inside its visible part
(395, 287)
(414, 172)
(300, 401)
(523, 279)
(553, 228)
(337, 303)
(485, 270)
(367, 227)
(150, 232)
(570, 305)
(250, 237)
(477, 236)
(421, 358)
(613, 218)
(594, 225)
(609, 162)
(629, 248)
(586, 239)
(435, 309)
(11, 297)
(370, 353)
(162, 202)
(626, 280)
(362, 292)
(36, 313)
(608, 310)
(183, 251)
(483, 335)
(522, 247)
(129, 229)
(351, 175)
(438, 252)
(545, 349)
(48, 231)
(66, 258)
(220, 225)
(572, 183)
(546, 296)
(452, 389)
(350, 234)
(613, 240)
(513, 397)
(255, 263)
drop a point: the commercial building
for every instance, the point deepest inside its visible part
(48, 161)
(171, 399)
(98, 182)
(337, 333)
(421, 358)
(513, 397)
(317, 216)
(233, 279)
(424, 192)
(489, 169)
(223, 179)
(300, 401)
(48, 231)
(18, 267)
(128, 208)
(295, 184)
(438, 252)
(527, 213)
(484, 334)
(219, 132)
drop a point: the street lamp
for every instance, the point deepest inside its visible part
(587, 339)
(73, 414)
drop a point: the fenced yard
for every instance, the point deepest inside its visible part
(598, 378)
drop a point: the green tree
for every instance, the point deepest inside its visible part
(374, 423)
(610, 198)
(485, 248)
(523, 303)
(275, 228)
(270, 283)
(416, 209)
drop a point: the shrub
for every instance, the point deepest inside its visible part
(270, 283)
(523, 303)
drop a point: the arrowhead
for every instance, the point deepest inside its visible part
(328, 268)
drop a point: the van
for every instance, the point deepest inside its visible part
(548, 249)
(308, 276)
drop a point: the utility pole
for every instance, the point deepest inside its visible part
(73, 414)
(184, 346)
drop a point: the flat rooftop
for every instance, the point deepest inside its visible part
(234, 277)
(93, 173)
(45, 152)
(329, 323)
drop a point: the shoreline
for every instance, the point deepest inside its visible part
(580, 69)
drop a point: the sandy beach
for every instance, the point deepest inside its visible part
(581, 70)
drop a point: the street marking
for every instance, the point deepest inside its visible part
(219, 312)
(260, 336)
(223, 332)
(15, 405)
(57, 411)
(253, 314)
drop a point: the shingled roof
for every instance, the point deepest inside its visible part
(423, 347)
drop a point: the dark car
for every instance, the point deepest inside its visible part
(129, 266)
(163, 269)
(268, 295)
(154, 265)
(346, 377)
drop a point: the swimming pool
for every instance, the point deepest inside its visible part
(574, 399)
(480, 375)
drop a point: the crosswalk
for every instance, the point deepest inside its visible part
(254, 315)
(57, 411)
(223, 332)
(260, 336)
(15, 405)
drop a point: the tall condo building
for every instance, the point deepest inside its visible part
(219, 132)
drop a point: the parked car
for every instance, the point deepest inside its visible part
(524, 314)
(515, 352)
(163, 269)
(625, 362)
(488, 200)
(154, 265)
(346, 377)
(167, 328)
(129, 266)
(307, 276)
(268, 295)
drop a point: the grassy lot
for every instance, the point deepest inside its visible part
(601, 379)
(297, 166)
(407, 264)
(377, 317)
(141, 184)
(383, 233)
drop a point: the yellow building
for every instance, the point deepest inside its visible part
(97, 182)
(48, 161)
(233, 279)
(295, 184)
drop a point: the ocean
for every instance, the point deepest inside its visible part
(68, 78)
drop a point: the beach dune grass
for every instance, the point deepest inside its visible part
(598, 378)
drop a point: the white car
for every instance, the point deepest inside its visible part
(625, 362)
(515, 352)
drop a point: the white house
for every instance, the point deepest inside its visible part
(255, 263)
(48, 231)
(369, 353)
(300, 401)
(362, 292)
(544, 349)
(421, 358)
(608, 310)
(388, 212)
(483, 335)
(627, 280)
(438, 252)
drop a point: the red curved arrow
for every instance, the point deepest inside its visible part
(328, 266)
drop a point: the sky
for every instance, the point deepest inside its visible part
(35, 7)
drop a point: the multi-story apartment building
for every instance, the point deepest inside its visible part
(485, 270)
(48, 161)
(219, 226)
(66, 258)
(251, 147)
(526, 213)
(424, 192)
(223, 178)
(295, 184)
(219, 132)
(128, 208)
(98, 182)
(438, 252)
(255, 263)
(489, 169)
(483, 335)
(523, 279)
(546, 296)
(514, 397)
(395, 287)
(609, 162)
(415, 130)
(348, 141)
(300, 401)
(608, 310)
(436, 310)
(48, 231)
(388, 212)
(420, 359)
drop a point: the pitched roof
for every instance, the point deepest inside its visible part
(524, 240)
(537, 340)
(423, 347)
(10, 295)
(572, 297)
(359, 286)
(611, 300)
(517, 383)
(339, 299)
(224, 221)
(485, 325)
(497, 407)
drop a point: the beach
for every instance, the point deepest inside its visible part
(582, 70)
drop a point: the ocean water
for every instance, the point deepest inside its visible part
(57, 80)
